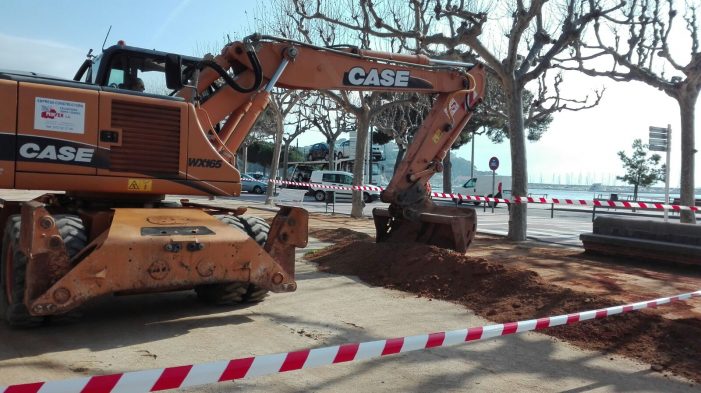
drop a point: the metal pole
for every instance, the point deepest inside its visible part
(370, 158)
(273, 80)
(494, 176)
(666, 177)
(472, 158)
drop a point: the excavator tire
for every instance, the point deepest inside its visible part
(13, 310)
(237, 292)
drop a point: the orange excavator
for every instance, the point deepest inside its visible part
(136, 124)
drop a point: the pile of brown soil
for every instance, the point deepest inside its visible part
(510, 293)
(338, 235)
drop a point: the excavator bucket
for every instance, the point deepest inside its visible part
(442, 226)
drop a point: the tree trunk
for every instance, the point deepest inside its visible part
(447, 174)
(518, 213)
(687, 104)
(362, 127)
(286, 160)
(332, 154)
(276, 160)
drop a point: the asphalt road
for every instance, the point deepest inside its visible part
(563, 229)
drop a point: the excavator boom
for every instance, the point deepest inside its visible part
(459, 87)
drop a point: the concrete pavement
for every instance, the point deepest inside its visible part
(151, 331)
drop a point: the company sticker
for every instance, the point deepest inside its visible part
(139, 184)
(453, 107)
(59, 115)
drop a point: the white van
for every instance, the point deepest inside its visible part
(336, 178)
(482, 186)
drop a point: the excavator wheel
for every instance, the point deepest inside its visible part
(13, 267)
(237, 292)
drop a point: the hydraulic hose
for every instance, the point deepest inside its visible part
(257, 70)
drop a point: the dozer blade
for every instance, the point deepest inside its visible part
(441, 226)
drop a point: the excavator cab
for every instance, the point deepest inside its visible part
(120, 66)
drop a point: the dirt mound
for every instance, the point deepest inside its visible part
(338, 235)
(507, 293)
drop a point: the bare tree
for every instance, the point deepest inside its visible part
(301, 125)
(400, 122)
(519, 52)
(635, 43)
(262, 130)
(362, 106)
(281, 104)
(329, 119)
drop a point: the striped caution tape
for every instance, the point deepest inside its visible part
(517, 199)
(249, 367)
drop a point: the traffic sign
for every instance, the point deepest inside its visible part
(659, 139)
(658, 134)
(494, 163)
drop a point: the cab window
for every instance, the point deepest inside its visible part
(116, 78)
(139, 74)
(345, 179)
(329, 178)
(471, 183)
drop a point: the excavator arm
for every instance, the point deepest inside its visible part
(253, 67)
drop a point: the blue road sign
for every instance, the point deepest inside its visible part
(494, 163)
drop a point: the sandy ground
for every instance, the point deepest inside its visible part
(150, 331)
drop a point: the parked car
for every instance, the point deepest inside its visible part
(347, 150)
(337, 178)
(318, 151)
(252, 185)
(258, 176)
(344, 149)
(300, 173)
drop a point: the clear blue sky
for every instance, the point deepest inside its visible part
(53, 38)
(177, 26)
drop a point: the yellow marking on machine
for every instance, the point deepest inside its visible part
(437, 135)
(140, 184)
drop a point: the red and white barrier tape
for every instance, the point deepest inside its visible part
(229, 370)
(516, 199)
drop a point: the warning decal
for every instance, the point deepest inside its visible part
(453, 107)
(59, 115)
(437, 135)
(139, 184)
